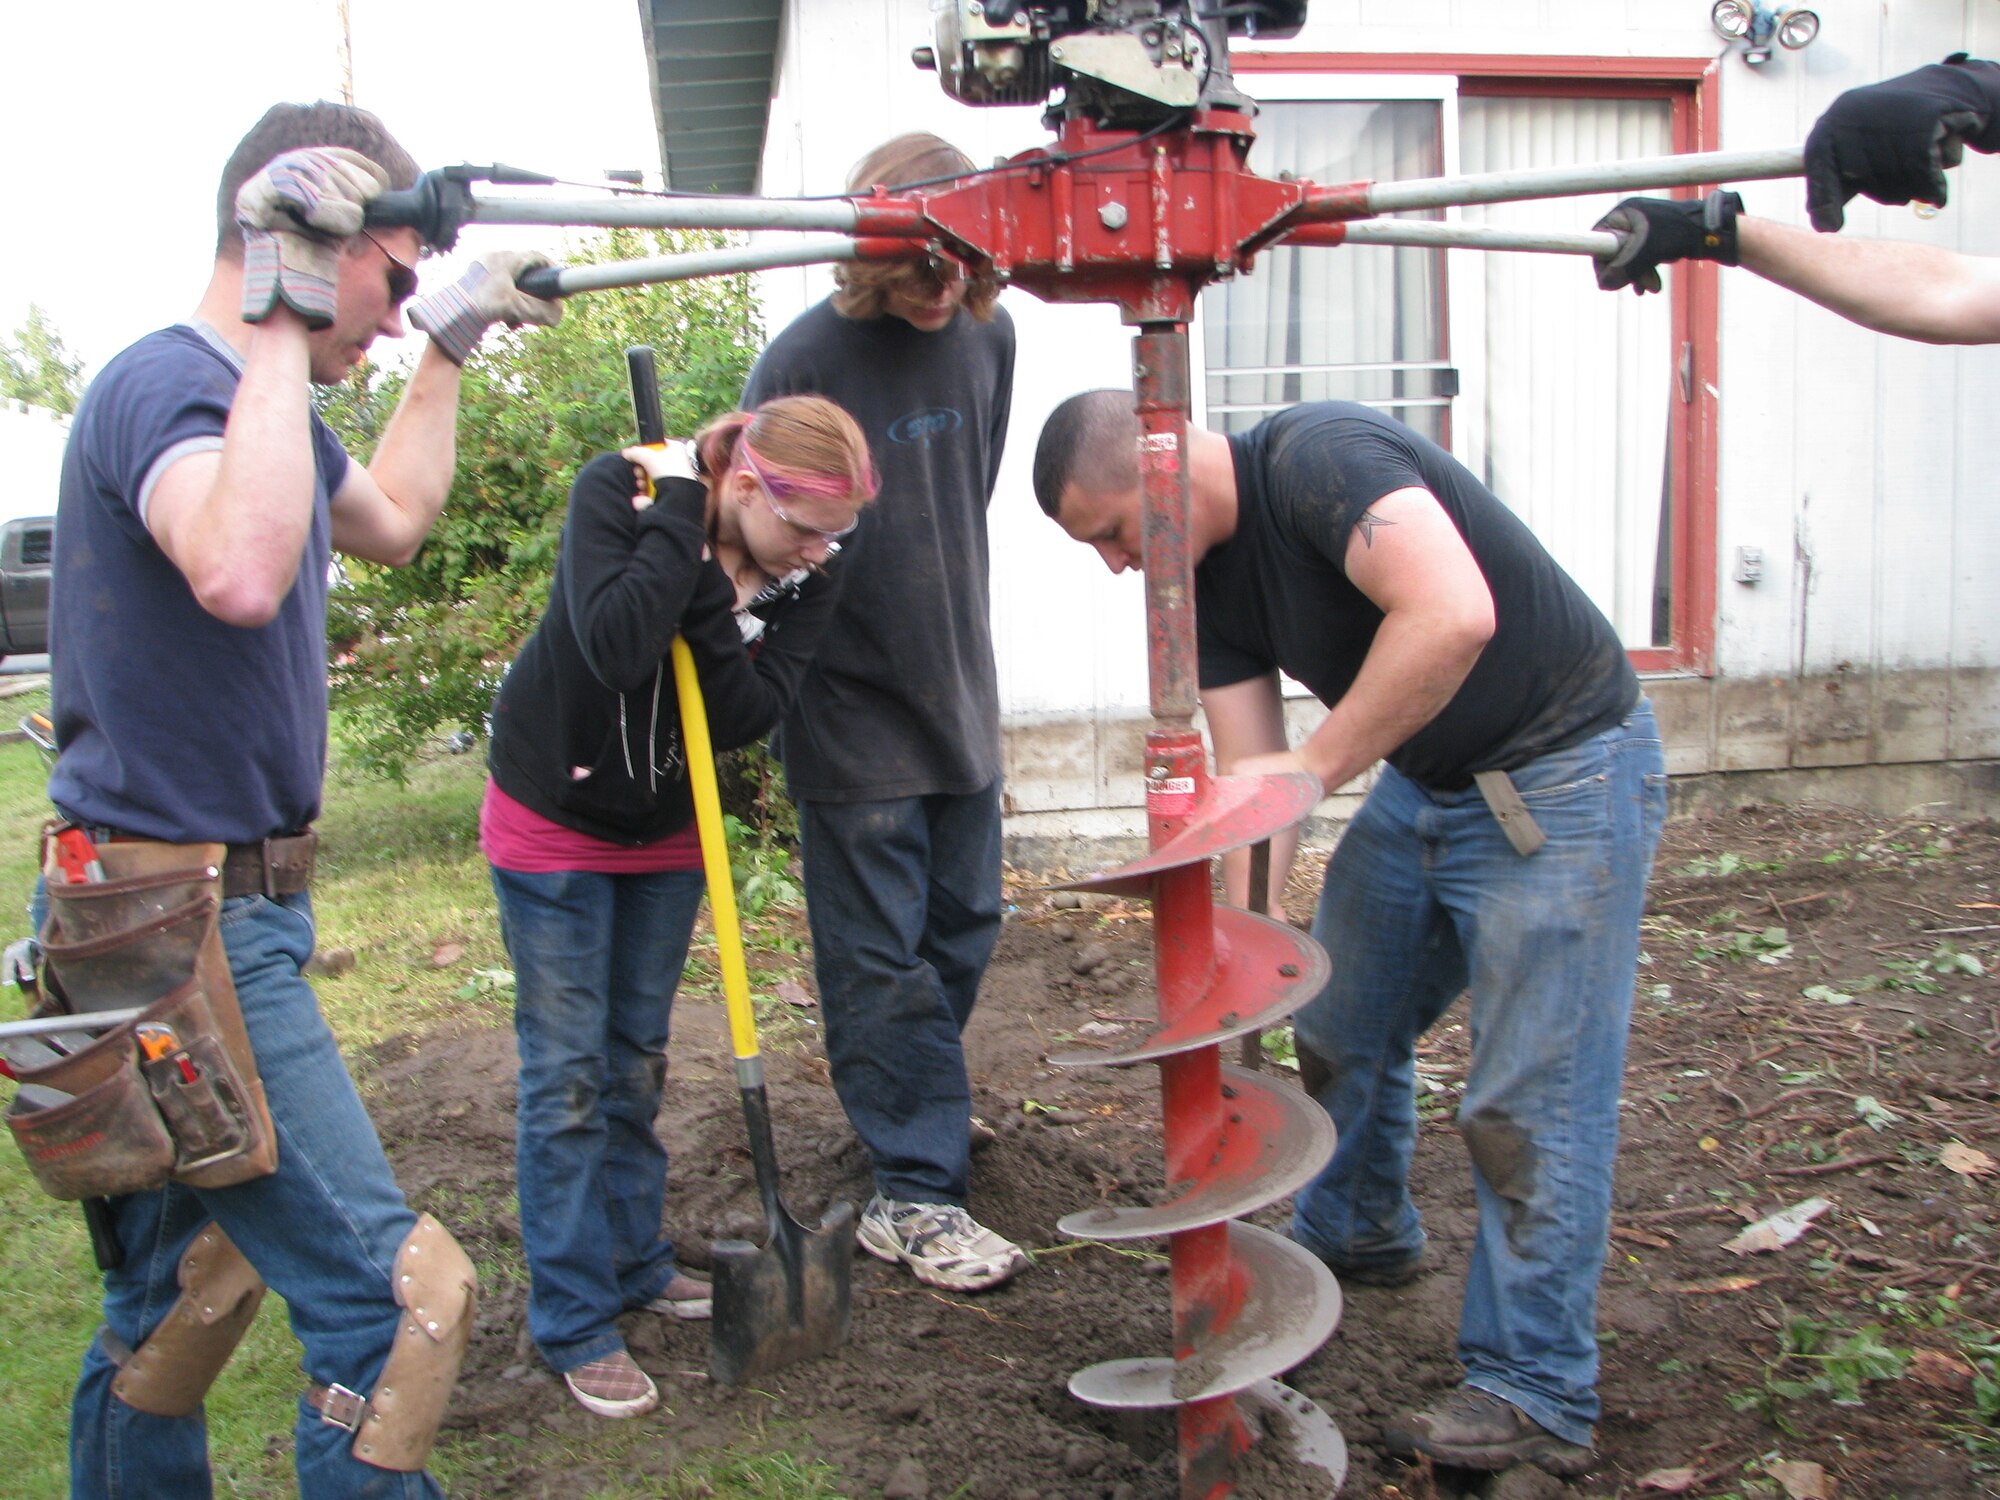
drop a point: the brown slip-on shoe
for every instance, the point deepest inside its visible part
(686, 1297)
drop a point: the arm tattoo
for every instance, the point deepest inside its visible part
(1367, 524)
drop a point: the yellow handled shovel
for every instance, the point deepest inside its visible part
(790, 1298)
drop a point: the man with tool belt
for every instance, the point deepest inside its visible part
(201, 500)
(1504, 848)
(1889, 141)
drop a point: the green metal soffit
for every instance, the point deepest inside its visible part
(711, 64)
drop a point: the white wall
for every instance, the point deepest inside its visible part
(1861, 466)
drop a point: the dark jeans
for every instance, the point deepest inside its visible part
(596, 961)
(904, 901)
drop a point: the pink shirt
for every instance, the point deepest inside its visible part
(515, 837)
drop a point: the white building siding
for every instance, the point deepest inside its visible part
(1860, 467)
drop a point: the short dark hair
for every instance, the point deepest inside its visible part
(287, 127)
(1092, 439)
(862, 287)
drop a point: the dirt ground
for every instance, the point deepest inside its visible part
(1818, 1016)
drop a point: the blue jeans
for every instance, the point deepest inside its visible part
(596, 961)
(322, 1231)
(1424, 898)
(904, 901)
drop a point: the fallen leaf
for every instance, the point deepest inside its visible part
(1873, 1260)
(446, 954)
(1640, 1237)
(1717, 1284)
(1940, 1371)
(1779, 1229)
(1673, 1481)
(1801, 1481)
(1965, 1160)
(793, 993)
(1709, 1143)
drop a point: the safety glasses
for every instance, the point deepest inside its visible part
(806, 532)
(402, 275)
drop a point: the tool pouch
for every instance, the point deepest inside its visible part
(145, 936)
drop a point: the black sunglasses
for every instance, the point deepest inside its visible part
(402, 275)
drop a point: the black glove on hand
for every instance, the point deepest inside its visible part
(1892, 140)
(1653, 231)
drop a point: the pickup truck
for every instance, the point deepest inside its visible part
(25, 550)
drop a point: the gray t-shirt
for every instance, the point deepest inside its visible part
(902, 699)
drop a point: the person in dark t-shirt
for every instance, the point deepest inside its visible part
(1504, 849)
(892, 748)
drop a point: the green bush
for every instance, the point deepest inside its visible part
(418, 652)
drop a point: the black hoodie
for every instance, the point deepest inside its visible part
(592, 691)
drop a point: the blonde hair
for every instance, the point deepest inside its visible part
(863, 287)
(802, 446)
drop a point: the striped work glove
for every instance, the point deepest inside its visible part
(457, 317)
(294, 215)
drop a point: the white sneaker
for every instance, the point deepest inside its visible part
(942, 1243)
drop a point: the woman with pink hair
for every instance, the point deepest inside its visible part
(588, 824)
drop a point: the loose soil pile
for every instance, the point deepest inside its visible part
(1818, 1017)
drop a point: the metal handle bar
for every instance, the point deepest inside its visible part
(1594, 177)
(1420, 232)
(844, 216)
(563, 281)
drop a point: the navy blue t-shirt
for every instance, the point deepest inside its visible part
(1277, 594)
(172, 724)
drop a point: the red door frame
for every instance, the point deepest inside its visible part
(1693, 85)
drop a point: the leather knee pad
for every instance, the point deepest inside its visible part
(170, 1372)
(437, 1289)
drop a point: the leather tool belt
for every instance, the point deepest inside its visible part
(281, 865)
(173, 1093)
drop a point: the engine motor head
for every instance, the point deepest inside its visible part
(1124, 61)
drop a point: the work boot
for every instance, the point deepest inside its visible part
(1475, 1429)
(1372, 1273)
(1396, 1273)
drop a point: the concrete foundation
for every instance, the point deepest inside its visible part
(1889, 741)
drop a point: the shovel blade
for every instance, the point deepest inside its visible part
(786, 1300)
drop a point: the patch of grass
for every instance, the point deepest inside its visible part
(1728, 864)
(1816, 1358)
(1769, 945)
